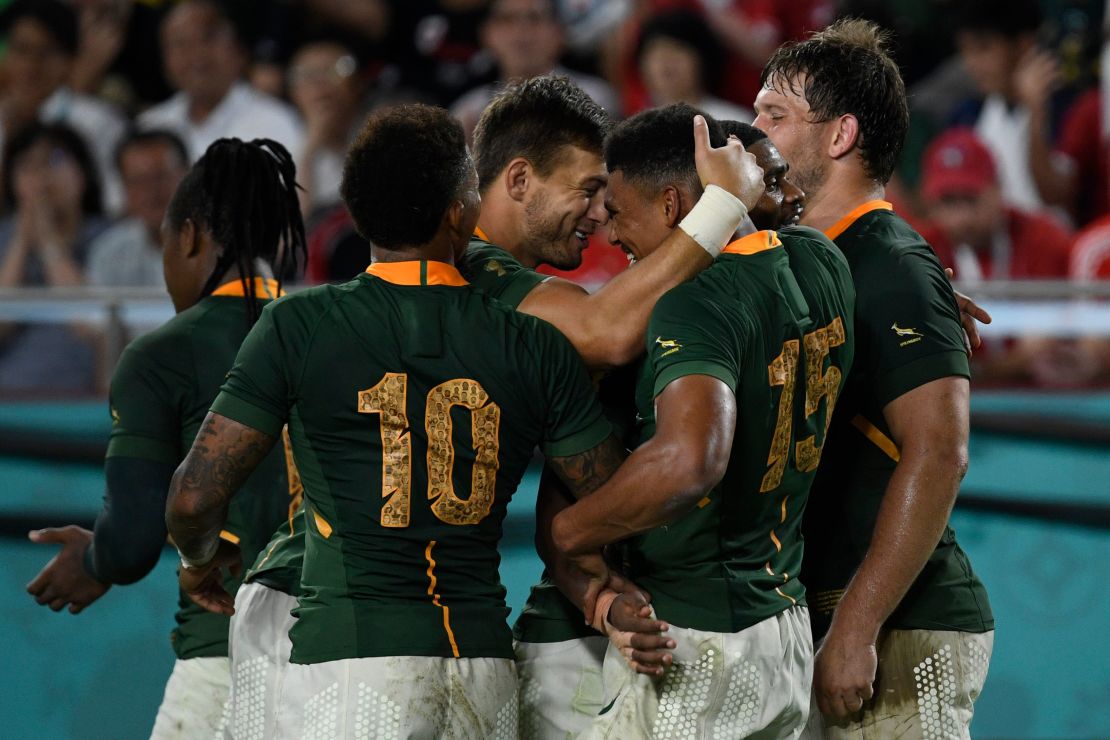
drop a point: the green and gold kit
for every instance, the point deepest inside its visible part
(414, 403)
(908, 334)
(772, 320)
(161, 391)
(487, 267)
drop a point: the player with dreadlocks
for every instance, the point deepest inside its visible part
(232, 230)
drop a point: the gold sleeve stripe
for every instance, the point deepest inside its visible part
(880, 440)
(435, 598)
(230, 537)
(704, 502)
(321, 524)
(775, 539)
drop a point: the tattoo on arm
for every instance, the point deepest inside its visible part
(223, 456)
(585, 473)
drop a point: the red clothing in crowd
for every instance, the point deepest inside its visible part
(1082, 141)
(1039, 248)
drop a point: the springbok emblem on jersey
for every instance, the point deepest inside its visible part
(910, 336)
(904, 332)
(670, 345)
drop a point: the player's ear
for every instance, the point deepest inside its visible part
(453, 218)
(190, 239)
(518, 176)
(844, 137)
(670, 201)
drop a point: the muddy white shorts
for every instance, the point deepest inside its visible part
(560, 686)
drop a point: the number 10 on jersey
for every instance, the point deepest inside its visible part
(388, 399)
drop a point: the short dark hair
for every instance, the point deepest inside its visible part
(152, 136)
(58, 18)
(63, 137)
(1007, 18)
(689, 29)
(402, 172)
(655, 148)
(745, 132)
(244, 193)
(536, 119)
(847, 69)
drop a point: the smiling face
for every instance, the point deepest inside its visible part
(563, 209)
(638, 221)
(784, 115)
(783, 201)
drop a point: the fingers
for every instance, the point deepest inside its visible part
(701, 135)
(42, 580)
(215, 599)
(50, 535)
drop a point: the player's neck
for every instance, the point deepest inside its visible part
(838, 197)
(437, 250)
(498, 225)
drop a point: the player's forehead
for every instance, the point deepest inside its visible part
(768, 157)
(783, 94)
(580, 166)
(619, 192)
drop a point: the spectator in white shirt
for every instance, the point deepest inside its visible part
(129, 253)
(204, 61)
(42, 39)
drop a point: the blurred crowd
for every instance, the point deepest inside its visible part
(105, 103)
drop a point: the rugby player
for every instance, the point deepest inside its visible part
(539, 161)
(907, 627)
(234, 222)
(744, 365)
(414, 402)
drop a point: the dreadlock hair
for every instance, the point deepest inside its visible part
(245, 195)
(745, 132)
(655, 148)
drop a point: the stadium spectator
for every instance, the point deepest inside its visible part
(50, 188)
(976, 233)
(1015, 79)
(204, 60)
(42, 42)
(680, 60)
(129, 253)
(525, 39)
(328, 88)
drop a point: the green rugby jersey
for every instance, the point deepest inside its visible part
(908, 334)
(414, 402)
(489, 268)
(279, 563)
(772, 320)
(160, 393)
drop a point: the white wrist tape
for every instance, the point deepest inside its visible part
(714, 219)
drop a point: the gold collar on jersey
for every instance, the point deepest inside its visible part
(417, 272)
(842, 225)
(760, 241)
(263, 288)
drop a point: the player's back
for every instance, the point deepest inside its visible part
(416, 403)
(774, 323)
(162, 391)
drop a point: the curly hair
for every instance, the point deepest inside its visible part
(402, 173)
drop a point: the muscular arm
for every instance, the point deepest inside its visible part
(664, 477)
(222, 457)
(607, 327)
(930, 426)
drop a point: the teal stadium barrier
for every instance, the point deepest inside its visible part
(1033, 517)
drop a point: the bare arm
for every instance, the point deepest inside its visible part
(664, 477)
(930, 426)
(607, 328)
(223, 455)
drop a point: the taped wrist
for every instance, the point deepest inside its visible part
(714, 219)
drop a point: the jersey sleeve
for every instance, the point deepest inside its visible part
(575, 421)
(689, 335)
(145, 416)
(910, 318)
(499, 275)
(258, 389)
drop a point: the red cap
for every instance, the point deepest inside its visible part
(957, 162)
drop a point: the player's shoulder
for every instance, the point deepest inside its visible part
(883, 248)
